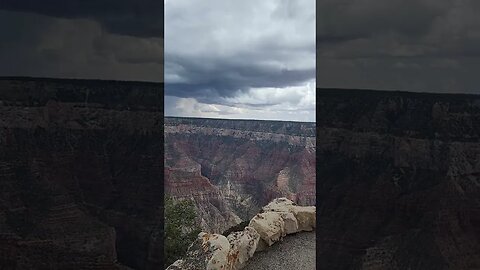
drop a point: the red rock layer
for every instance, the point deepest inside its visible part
(248, 166)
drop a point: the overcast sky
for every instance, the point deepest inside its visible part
(413, 45)
(247, 59)
(89, 39)
(240, 59)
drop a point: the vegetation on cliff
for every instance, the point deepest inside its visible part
(180, 228)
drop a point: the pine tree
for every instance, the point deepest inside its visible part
(180, 228)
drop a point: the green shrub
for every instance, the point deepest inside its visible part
(180, 228)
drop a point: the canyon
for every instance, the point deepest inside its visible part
(82, 169)
(397, 180)
(231, 168)
(81, 165)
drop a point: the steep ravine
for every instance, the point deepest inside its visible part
(233, 167)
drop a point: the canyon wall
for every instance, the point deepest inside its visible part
(230, 168)
(81, 171)
(81, 167)
(397, 180)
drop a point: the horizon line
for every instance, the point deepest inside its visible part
(237, 119)
(465, 92)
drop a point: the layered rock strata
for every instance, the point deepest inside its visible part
(230, 168)
(398, 180)
(215, 251)
(81, 167)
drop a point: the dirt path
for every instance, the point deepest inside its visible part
(295, 252)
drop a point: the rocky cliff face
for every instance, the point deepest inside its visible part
(398, 180)
(233, 167)
(277, 219)
(81, 169)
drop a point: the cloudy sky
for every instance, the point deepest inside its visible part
(94, 39)
(240, 59)
(413, 45)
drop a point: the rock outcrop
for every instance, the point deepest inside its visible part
(80, 174)
(242, 246)
(305, 219)
(215, 252)
(270, 226)
(230, 168)
(398, 180)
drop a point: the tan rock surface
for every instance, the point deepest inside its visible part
(242, 247)
(270, 226)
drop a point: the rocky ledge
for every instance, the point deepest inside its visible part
(277, 219)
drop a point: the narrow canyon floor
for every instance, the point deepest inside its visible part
(295, 251)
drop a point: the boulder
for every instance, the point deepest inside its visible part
(214, 251)
(291, 223)
(216, 247)
(270, 226)
(279, 205)
(242, 247)
(305, 215)
(209, 251)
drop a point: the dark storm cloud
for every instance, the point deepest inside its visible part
(70, 39)
(240, 59)
(346, 20)
(215, 49)
(225, 79)
(421, 45)
(143, 18)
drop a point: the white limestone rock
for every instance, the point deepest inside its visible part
(291, 223)
(209, 251)
(216, 248)
(305, 215)
(279, 205)
(214, 251)
(269, 225)
(242, 247)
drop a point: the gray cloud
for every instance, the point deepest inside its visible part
(291, 103)
(142, 18)
(422, 45)
(43, 46)
(217, 51)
